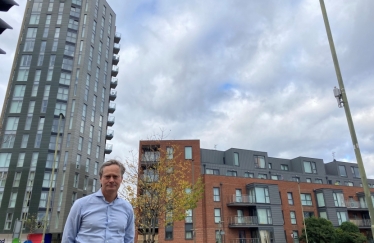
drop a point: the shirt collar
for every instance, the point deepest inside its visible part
(99, 193)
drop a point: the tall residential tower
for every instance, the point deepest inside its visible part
(65, 63)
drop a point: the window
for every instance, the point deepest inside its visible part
(295, 236)
(308, 214)
(212, 171)
(67, 64)
(306, 199)
(34, 19)
(293, 217)
(236, 159)
(355, 172)
(310, 167)
(217, 215)
(21, 159)
(25, 139)
(248, 175)
(78, 161)
(318, 181)
(62, 93)
(34, 159)
(43, 200)
(29, 46)
(264, 216)
(290, 198)
(94, 185)
(320, 199)
(188, 152)
(270, 166)
(308, 180)
(169, 152)
(238, 195)
(262, 194)
(8, 219)
(216, 195)
(60, 108)
(12, 199)
(218, 236)
(96, 168)
(231, 173)
(188, 218)
(47, 180)
(31, 32)
(323, 215)
(5, 160)
(17, 178)
(80, 143)
(262, 176)
(87, 165)
(85, 183)
(76, 180)
(296, 178)
(342, 217)
(15, 106)
(338, 199)
(276, 177)
(259, 161)
(73, 198)
(348, 183)
(342, 170)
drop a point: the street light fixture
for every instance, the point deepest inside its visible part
(61, 116)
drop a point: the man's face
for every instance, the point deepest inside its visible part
(111, 179)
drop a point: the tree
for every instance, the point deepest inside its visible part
(349, 233)
(160, 188)
(318, 230)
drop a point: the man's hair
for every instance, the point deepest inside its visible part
(112, 162)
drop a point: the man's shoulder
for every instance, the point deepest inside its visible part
(86, 199)
(124, 202)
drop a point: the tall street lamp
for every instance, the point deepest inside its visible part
(61, 116)
(341, 95)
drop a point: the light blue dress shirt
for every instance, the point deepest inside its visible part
(92, 219)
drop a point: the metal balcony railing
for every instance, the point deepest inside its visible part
(108, 148)
(247, 240)
(112, 95)
(361, 222)
(117, 37)
(243, 220)
(111, 120)
(116, 48)
(151, 156)
(113, 83)
(114, 71)
(115, 59)
(109, 134)
(243, 199)
(112, 107)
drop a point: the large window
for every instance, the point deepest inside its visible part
(169, 152)
(188, 218)
(216, 194)
(17, 178)
(306, 199)
(342, 170)
(264, 216)
(355, 172)
(236, 159)
(261, 194)
(320, 199)
(5, 160)
(12, 199)
(188, 152)
(338, 199)
(43, 199)
(231, 173)
(293, 217)
(284, 167)
(310, 167)
(212, 171)
(217, 215)
(259, 161)
(8, 221)
(342, 217)
(290, 198)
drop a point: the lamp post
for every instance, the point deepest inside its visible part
(61, 116)
(341, 95)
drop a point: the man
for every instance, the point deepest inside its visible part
(102, 216)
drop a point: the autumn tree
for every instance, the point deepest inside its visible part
(160, 188)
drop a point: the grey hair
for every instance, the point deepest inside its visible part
(112, 162)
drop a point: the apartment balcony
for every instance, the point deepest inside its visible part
(113, 83)
(117, 37)
(112, 95)
(114, 71)
(112, 108)
(109, 134)
(108, 148)
(75, 13)
(355, 205)
(248, 240)
(150, 157)
(361, 223)
(115, 59)
(243, 221)
(110, 121)
(243, 200)
(116, 48)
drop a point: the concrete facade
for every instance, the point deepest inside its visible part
(257, 201)
(63, 66)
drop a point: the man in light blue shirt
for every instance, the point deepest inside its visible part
(102, 217)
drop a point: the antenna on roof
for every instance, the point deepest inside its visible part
(215, 146)
(333, 156)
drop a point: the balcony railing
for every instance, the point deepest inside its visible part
(117, 37)
(112, 107)
(243, 221)
(116, 48)
(355, 204)
(111, 120)
(248, 240)
(108, 148)
(151, 156)
(113, 83)
(109, 134)
(240, 200)
(115, 59)
(112, 95)
(114, 71)
(361, 222)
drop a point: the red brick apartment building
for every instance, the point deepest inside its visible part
(250, 197)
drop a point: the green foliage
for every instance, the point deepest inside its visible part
(318, 230)
(349, 233)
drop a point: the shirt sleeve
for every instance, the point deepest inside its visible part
(72, 224)
(130, 227)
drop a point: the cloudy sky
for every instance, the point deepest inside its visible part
(247, 74)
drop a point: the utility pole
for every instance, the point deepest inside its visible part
(343, 99)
